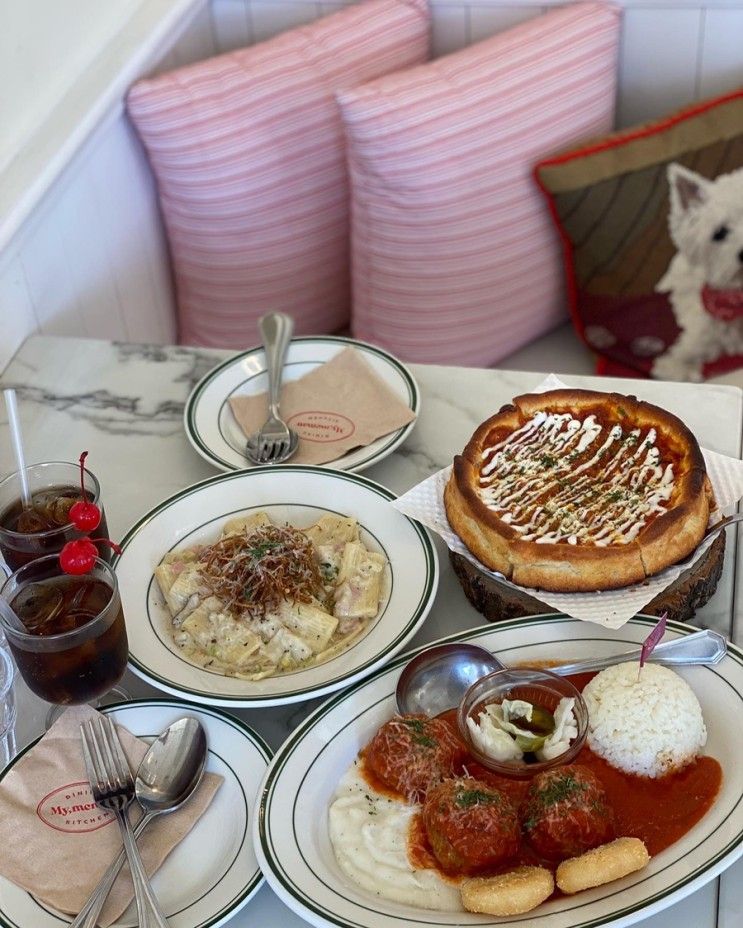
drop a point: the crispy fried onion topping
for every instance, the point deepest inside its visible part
(255, 571)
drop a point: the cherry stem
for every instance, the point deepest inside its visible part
(107, 541)
(82, 474)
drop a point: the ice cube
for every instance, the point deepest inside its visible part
(31, 521)
(60, 510)
(38, 605)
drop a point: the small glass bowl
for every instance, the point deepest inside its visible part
(539, 687)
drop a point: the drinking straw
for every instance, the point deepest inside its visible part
(17, 442)
(10, 616)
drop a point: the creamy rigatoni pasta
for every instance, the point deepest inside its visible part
(266, 599)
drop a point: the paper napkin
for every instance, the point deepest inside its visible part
(610, 608)
(57, 843)
(337, 407)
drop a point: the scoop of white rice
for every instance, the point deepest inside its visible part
(648, 725)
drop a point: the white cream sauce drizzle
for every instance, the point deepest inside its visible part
(540, 481)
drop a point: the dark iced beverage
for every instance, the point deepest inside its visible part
(70, 640)
(49, 509)
(44, 527)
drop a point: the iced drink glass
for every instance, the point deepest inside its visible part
(44, 528)
(68, 635)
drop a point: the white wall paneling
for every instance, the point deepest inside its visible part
(450, 29)
(17, 315)
(197, 41)
(488, 19)
(134, 235)
(231, 24)
(659, 62)
(721, 58)
(270, 17)
(92, 258)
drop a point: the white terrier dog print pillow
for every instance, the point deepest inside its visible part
(651, 222)
(704, 280)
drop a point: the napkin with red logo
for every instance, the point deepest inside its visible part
(339, 406)
(57, 843)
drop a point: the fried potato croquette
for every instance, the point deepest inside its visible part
(602, 865)
(512, 893)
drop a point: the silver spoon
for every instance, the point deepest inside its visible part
(436, 679)
(168, 775)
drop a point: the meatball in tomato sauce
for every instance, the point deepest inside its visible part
(566, 812)
(411, 753)
(470, 826)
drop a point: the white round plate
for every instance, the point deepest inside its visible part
(294, 850)
(213, 430)
(297, 495)
(213, 872)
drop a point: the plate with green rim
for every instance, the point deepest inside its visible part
(196, 889)
(296, 495)
(215, 434)
(295, 852)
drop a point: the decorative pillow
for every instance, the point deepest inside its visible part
(248, 153)
(652, 224)
(454, 259)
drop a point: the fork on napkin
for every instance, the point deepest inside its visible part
(339, 406)
(57, 842)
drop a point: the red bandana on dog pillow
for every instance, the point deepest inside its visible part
(652, 224)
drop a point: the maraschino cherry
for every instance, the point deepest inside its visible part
(84, 515)
(78, 556)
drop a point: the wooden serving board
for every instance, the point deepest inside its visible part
(689, 592)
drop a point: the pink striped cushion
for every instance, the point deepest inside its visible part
(249, 157)
(454, 257)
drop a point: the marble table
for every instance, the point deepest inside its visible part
(124, 404)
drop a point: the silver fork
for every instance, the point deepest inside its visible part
(274, 442)
(112, 784)
(723, 523)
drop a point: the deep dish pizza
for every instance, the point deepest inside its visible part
(574, 490)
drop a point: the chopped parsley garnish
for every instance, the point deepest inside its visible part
(424, 740)
(556, 791)
(419, 736)
(467, 798)
(329, 571)
(546, 460)
(262, 549)
(415, 724)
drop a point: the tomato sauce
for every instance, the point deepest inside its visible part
(420, 854)
(658, 811)
(375, 783)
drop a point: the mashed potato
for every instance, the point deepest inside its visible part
(645, 722)
(368, 832)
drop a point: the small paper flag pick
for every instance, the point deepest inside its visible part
(653, 638)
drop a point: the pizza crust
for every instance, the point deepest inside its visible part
(564, 567)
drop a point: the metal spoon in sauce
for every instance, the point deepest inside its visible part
(168, 775)
(436, 679)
